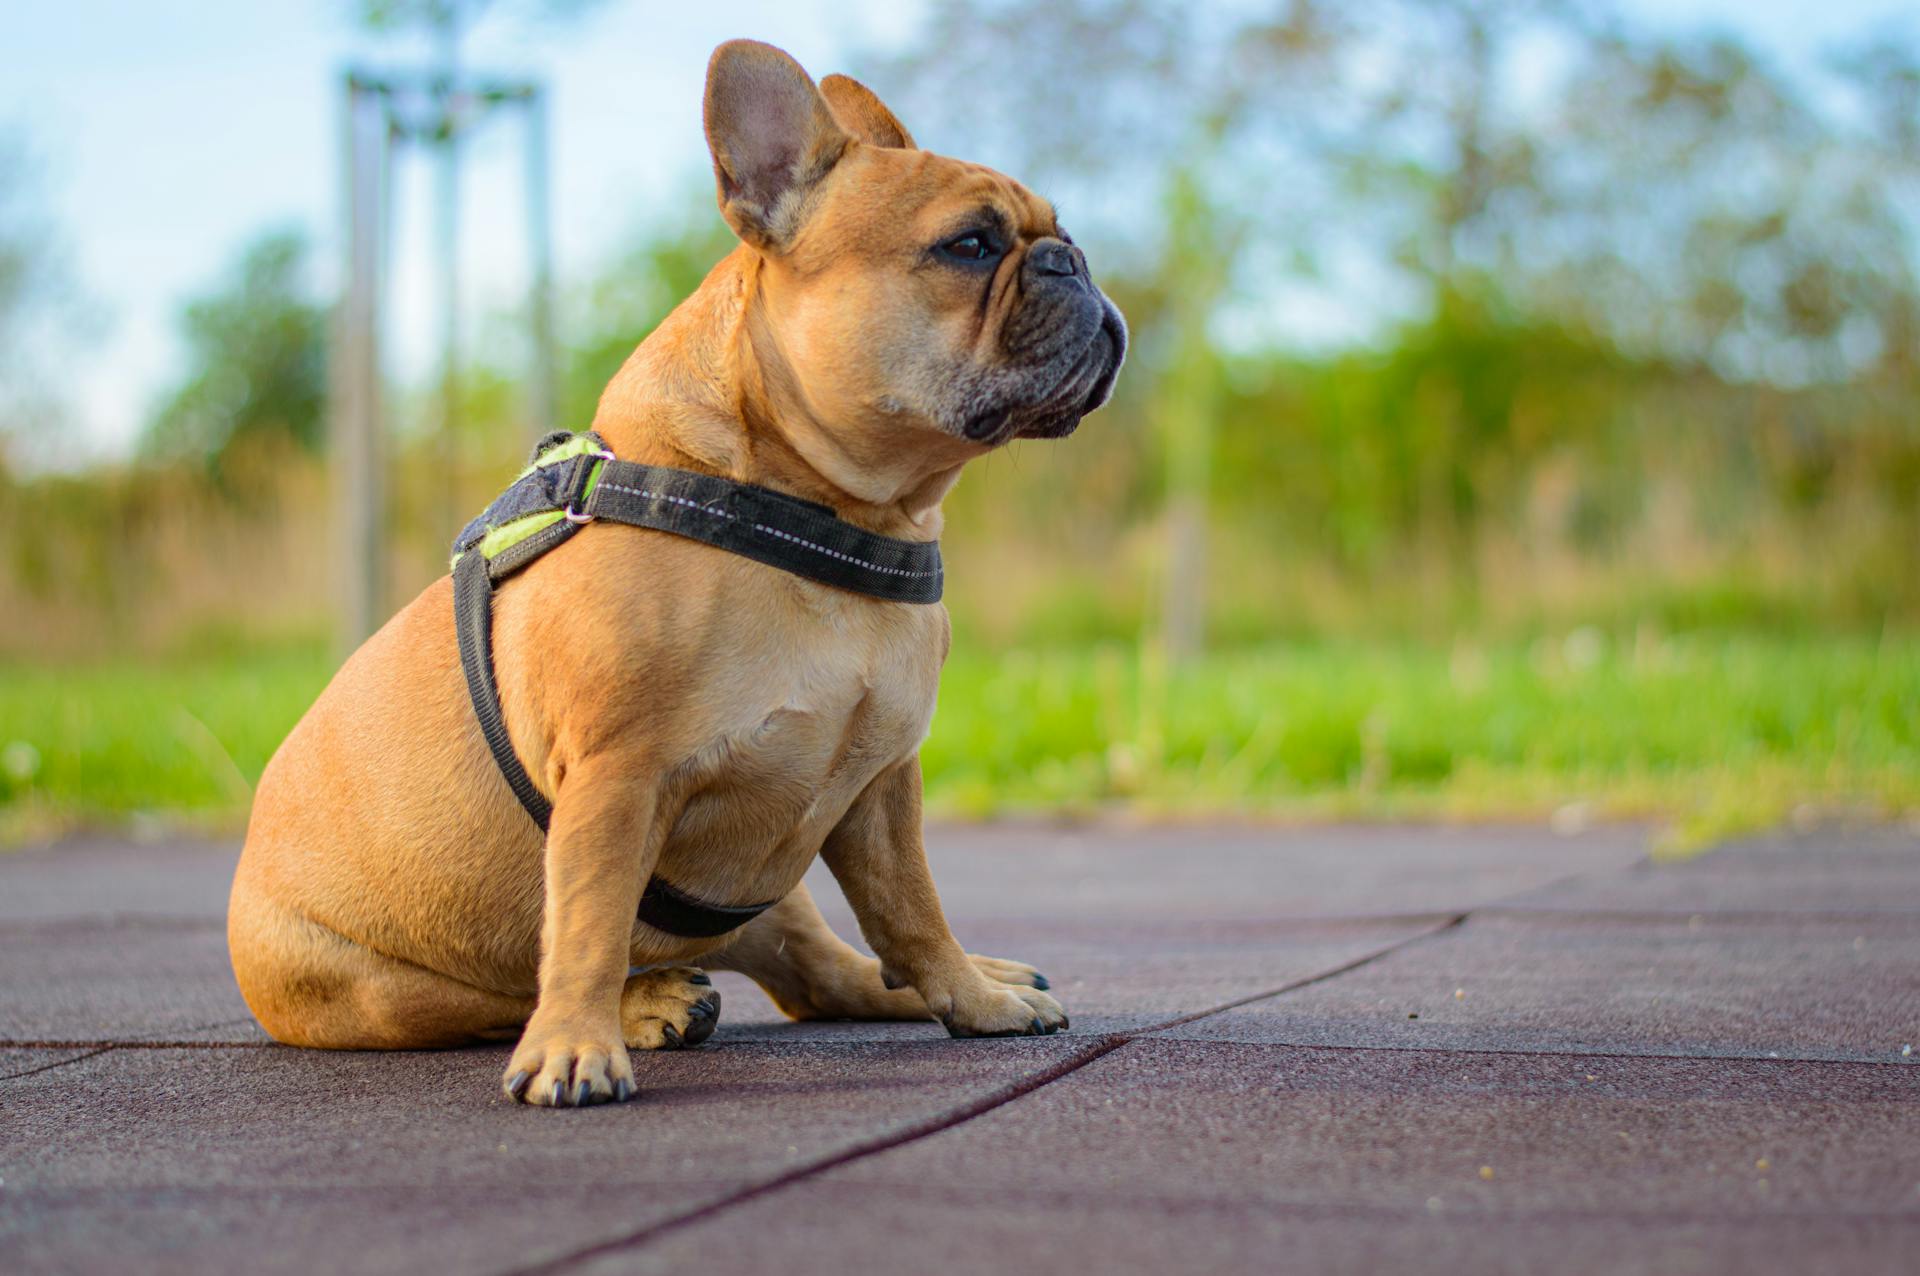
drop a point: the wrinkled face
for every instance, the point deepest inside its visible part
(928, 291)
(904, 300)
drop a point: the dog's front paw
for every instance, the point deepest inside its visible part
(562, 1065)
(994, 1010)
(669, 1008)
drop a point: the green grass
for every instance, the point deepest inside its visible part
(125, 742)
(1708, 735)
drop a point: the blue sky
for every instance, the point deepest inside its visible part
(169, 132)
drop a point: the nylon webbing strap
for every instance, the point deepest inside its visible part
(666, 907)
(473, 618)
(769, 527)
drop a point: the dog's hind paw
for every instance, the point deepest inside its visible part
(1002, 971)
(668, 1008)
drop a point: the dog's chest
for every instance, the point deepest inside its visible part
(807, 725)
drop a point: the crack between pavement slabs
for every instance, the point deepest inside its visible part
(1101, 1048)
(57, 1063)
(1514, 1052)
(1736, 916)
(96, 1048)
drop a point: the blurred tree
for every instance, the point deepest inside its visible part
(390, 15)
(1885, 76)
(630, 296)
(1507, 235)
(1705, 212)
(1283, 140)
(256, 346)
(1187, 406)
(38, 304)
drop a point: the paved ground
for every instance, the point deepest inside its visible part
(1474, 1050)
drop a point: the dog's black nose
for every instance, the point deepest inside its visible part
(1055, 257)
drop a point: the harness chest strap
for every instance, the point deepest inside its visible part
(575, 480)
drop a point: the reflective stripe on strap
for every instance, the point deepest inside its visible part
(769, 527)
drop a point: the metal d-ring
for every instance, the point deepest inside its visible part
(573, 515)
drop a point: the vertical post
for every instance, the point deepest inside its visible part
(356, 441)
(1187, 404)
(544, 409)
(446, 237)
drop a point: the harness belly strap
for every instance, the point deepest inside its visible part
(575, 480)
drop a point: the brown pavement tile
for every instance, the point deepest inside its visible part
(105, 878)
(1136, 926)
(105, 940)
(998, 871)
(128, 980)
(1220, 873)
(881, 1232)
(1188, 1156)
(1791, 987)
(124, 979)
(1872, 871)
(194, 1160)
(1124, 976)
(111, 972)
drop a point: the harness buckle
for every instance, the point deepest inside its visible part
(576, 487)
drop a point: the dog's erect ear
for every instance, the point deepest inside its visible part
(773, 138)
(864, 115)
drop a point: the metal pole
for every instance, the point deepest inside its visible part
(1188, 401)
(447, 231)
(544, 408)
(356, 398)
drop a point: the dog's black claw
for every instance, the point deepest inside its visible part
(517, 1085)
(559, 1094)
(1036, 1028)
(622, 1090)
(1065, 1023)
(1040, 981)
(672, 1035)
(583, 1094)
(703, 1020)
(702, 978)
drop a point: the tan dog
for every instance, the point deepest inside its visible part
(889, 315)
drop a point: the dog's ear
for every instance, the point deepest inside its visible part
(865, 115)
(773, 139)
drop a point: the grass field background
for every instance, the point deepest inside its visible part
(1704, 735)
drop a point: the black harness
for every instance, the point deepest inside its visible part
(574, 480)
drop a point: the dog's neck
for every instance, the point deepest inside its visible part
(708, 390)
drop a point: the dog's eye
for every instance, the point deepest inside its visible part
(972, 246)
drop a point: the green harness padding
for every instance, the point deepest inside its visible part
(500, 529)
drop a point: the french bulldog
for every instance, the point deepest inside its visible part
(888, 315)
